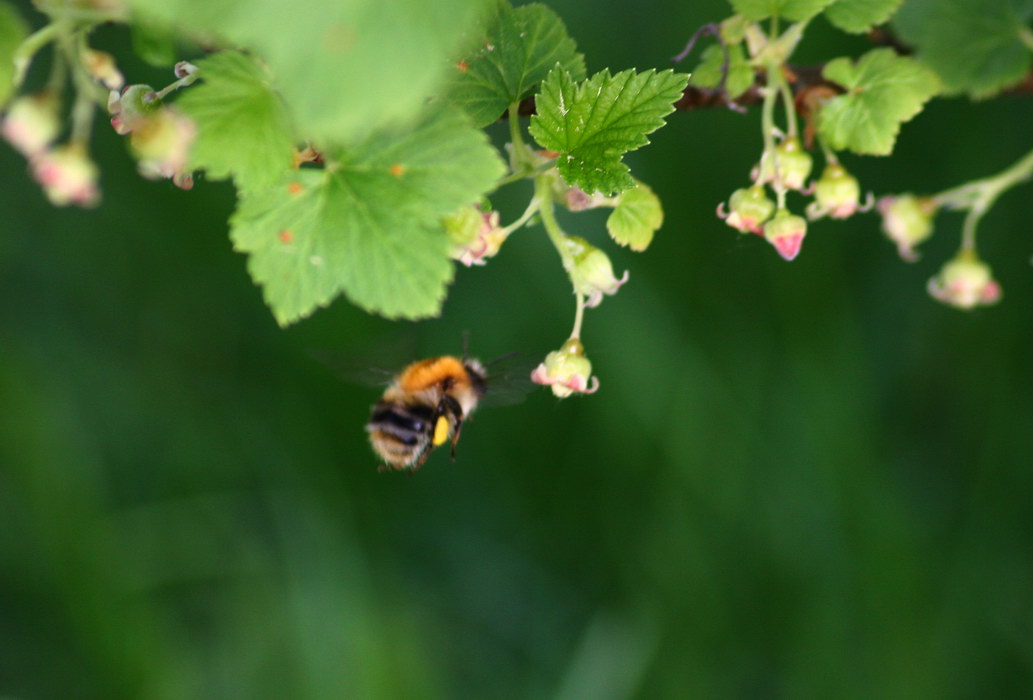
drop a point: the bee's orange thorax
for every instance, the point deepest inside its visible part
(427, 373)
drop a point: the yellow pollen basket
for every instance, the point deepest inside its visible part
(440, 431)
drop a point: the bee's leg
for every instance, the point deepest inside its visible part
(456, 410)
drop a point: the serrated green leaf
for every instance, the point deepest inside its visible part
(592, 125)
(13, 31)
(509, 57)
(636, 218)
(369, 225)
(883, 90)
(975, 46)
(708, 72)
(345, 69)
(793, 10)
(857, 16)
(243, 130)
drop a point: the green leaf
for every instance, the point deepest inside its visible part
(369, 225)
(155, 45)
(243, 130)
(975, 46)
(708, 72)
(510, 57)
(636, 218)
(858, 16)
(793, 10)
(883, 90)
(13, 31)
(345, 69)
(592, 125)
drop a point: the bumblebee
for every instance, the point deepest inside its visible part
(424, 407)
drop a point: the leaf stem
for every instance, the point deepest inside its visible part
(579, 316)
(543, 193)
(767, 123)
(28, 48)
(787, 98)
(531, 210)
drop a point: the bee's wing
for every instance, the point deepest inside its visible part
(354, 370)
(509, 379)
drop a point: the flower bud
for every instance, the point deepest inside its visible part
(576, 199)
(101, 65)
(785, 231)
(184, 69)
(132, 107)
(475, 235)
(965, 282)
(567, 371)
(591, 271)
(749, 209)
(161, 142)
(907, 220)
(68, 176)
(793, 164)
(31, 124)
(836, 194)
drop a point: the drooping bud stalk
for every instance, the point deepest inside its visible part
(31, 124)
(591, 271)
(965, 282)
(785, 231)
(567, 371)
(68, 176)
(748, 209)
(907, 220)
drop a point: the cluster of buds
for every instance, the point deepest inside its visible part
(567, 371)
(160, 136)
(475, 235)
(965, 283)
(907, 220)
(66, 173)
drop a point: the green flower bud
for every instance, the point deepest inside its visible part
(793, 163)
(31, 124)
(591, 271)
(567, 371)
(749, 208)
(907, 220)
(836, 194)
(965, 283)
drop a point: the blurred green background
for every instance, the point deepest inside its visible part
(802, 480)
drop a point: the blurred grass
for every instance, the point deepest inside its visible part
(803, 480)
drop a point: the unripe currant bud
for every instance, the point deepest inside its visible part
(101, 65)
(836, 194)
(792, 162)
(475, 234)
(591, 271)
(184, 69)
(132, 107)
(576, 199)
(748, 209)
(907, 220)
(785, 231)
(161, 142)
(567, 371)
(965, 283)
(68, 176)
(31, 123)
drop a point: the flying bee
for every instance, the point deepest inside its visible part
(427, 403)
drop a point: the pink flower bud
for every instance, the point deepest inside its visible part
(31, 124)
(965, 283)
(184, 69)
(101, 65)
(749, 208)
(162, 143)
(792, 162)
(591, 271)
(576, 199)
(785, 231)
(476, 235)
(68, 176)
(567, 371)
(837, 194)
(907, 220)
